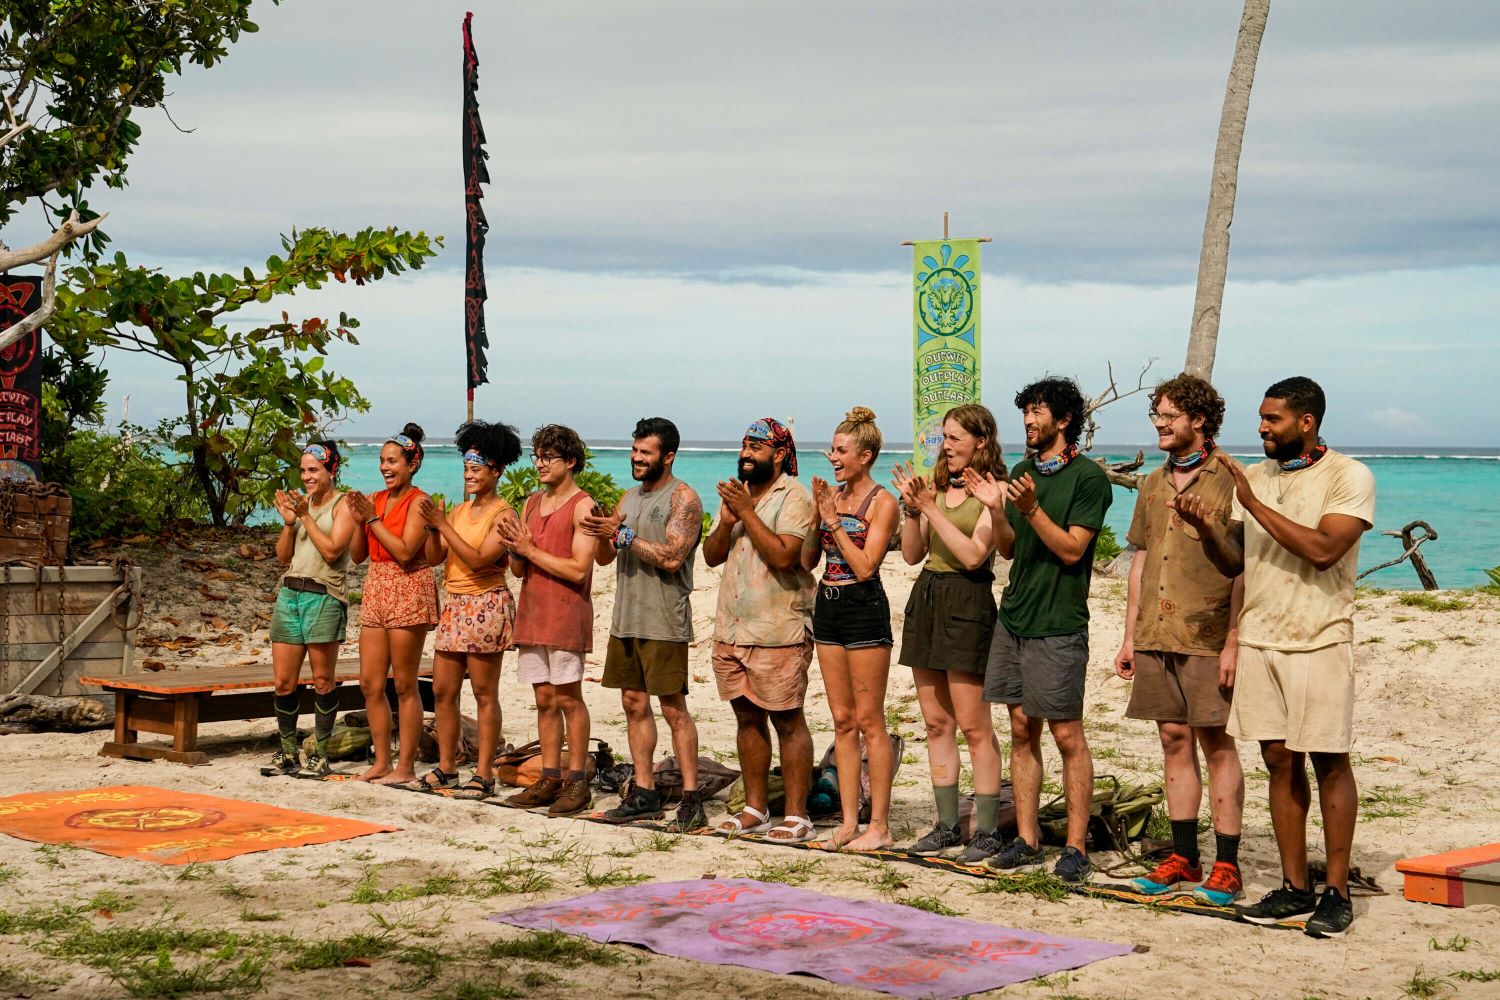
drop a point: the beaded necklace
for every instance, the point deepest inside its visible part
(1052, 466)
(1194, 460)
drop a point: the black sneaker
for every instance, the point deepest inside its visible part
(1018, 856)
(282, 765)
(1073, 866)
(1332, 917)
(639, 803)
(1286, 903)
(982, 846)
(939, 840)
(690, 814)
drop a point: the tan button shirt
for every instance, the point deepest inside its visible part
(758, 605)
(1184, 600)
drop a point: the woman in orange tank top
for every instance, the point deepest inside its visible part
(479, 614)
(399, 606)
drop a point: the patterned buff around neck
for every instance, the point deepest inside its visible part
(1194, 460)
(1303, 461)
(1052, 466)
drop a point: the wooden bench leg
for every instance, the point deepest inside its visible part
(124, 702)
(126, 743)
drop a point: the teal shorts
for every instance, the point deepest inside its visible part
(304, 619)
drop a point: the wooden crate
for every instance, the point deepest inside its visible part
(75, 620)
(1466, 877)
(34, 528)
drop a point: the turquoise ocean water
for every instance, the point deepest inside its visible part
(1457, 491)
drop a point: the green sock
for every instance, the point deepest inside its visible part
(947, 803)
(286, 721)
(325, 709)
(986, 813)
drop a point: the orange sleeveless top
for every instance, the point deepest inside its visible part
(393, 518)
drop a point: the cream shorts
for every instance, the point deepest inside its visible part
(540, 665)
(1304, 698)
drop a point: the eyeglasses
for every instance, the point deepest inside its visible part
(1158, 417)
(540, 460)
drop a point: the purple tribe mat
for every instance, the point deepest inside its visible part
(765, 925)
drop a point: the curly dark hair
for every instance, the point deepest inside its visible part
(498, 443)
(1196, 397)
(1301, 395)
(563, 441)
(1060, 395)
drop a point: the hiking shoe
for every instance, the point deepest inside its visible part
(573, 797)
(690, 814)
(939, 840)
(282, 765)
(1018, 856)
(1332, 918)
(982, 846)
(317, 764)
(1223, 885)
(639, 803)
(1286, 903)
(543, 793)
(1073, 866)
(1172, 874)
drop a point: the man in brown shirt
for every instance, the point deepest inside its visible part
(1180, 645)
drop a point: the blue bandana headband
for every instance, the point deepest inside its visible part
(472, 457)
(317, 451)
(406, 443)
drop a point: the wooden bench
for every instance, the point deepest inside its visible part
(175, 704)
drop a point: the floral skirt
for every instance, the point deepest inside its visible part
(476, 623)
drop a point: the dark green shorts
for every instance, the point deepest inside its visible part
(301, 618)
(950, 618)
(655, 666)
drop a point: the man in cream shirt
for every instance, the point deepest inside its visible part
(1295, 530)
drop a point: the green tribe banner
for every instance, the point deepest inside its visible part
(945, 313)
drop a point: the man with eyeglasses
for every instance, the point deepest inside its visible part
(1181, 641)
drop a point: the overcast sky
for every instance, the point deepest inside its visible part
(696, 207)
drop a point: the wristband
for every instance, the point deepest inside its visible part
(835, 526)
(624, 535)
(1034, 508)
(372, 520)
(912, 511)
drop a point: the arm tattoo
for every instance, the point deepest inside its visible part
(684, 526)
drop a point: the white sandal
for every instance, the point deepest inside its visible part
(800, 828)
(734, 827)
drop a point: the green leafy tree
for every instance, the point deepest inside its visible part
(249, 395)
(520, 481)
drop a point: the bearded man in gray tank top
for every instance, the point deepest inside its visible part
(651, 538)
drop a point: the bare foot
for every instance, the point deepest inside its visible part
(375, 772)
(837, 840)
(873, 839)
(396, 778)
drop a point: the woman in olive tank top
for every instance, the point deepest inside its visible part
(950, 618)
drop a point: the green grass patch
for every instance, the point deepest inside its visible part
(608, 878)
(1037, 882)
(1421, 985)
(1457, 942)
(1427, 644)
(555, 948)
(931, 904)
(798, 872)
(1428, 602)
(1478, 975)
(366, 890)
(1389, 802)
(338, 952)
(512, 878)
(251, 916)
(108, 899)
(41, 919)
(8, 874)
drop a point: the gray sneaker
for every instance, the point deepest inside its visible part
(982, 846)
(1019, 856)
(1073, 866)
(939, 840)
(317, 764)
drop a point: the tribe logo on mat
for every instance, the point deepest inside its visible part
(153, 820)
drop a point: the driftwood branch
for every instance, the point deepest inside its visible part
(1111, 394)
(41, 314)
(66, 233)
(1411, 544)
(1124, 473)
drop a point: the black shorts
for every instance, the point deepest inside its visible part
(950, 618)
(855, 615)
(1043, 674)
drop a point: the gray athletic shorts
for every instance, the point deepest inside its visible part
(1043, 675)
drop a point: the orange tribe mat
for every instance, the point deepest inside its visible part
(167, 827)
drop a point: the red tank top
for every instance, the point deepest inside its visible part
(551, 611)
(394, 520)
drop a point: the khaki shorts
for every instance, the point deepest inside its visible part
(540, 665)
(772, 677)
(1178, 687)
(656, 666)
(1304, 698)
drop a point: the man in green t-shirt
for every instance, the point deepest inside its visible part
(1053, 508)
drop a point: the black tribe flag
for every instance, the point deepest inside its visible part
(20, 373)
(475, 174)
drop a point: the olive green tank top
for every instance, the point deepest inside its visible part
(308, 563)
(965, 517)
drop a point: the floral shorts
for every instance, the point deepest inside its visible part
(476, 623)
(394, 598)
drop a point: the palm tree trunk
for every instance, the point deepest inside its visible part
(1213, 261)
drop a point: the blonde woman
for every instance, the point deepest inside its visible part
(950, 618)
(852, 623)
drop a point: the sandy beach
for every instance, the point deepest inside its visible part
(1425, 759)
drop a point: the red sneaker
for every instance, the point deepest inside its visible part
(1172, 874)
(1223, 885)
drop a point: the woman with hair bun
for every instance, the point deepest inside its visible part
(479, 614)
(852, 623)
(399, 605)
(311, 606)
(950, 619)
